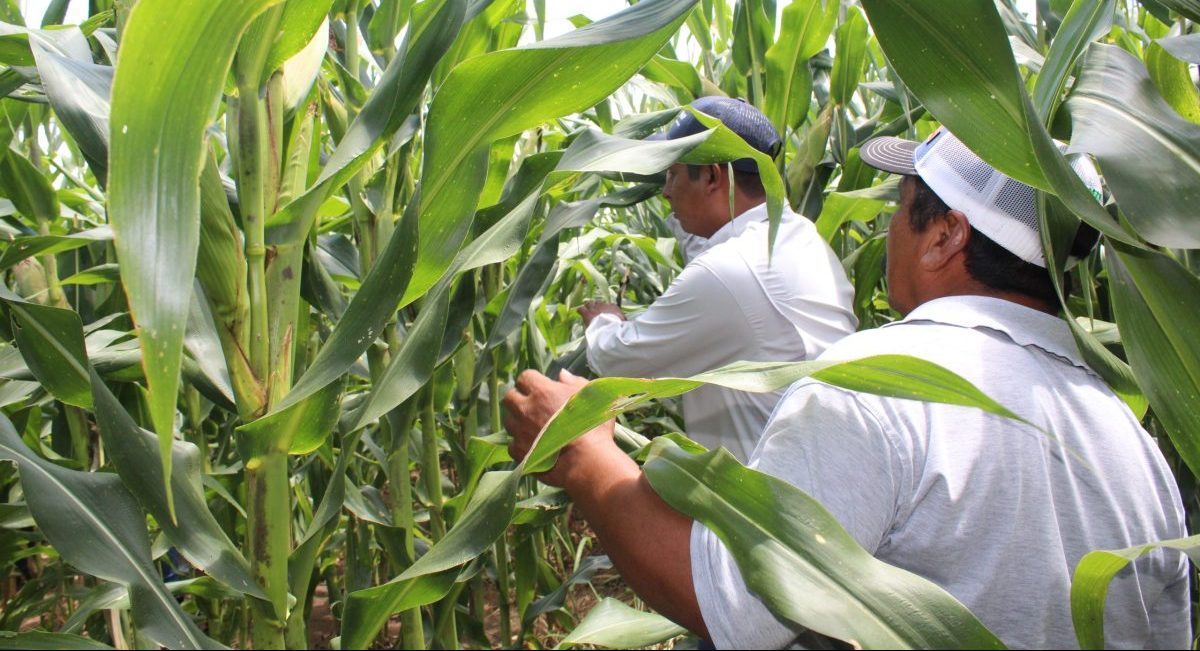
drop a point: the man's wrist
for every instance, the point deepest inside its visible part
(591, 467)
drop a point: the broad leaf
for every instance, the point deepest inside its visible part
(1149, 154)
(27, 188)
(851, 42)
(613, 625)
(37, 640)
(51, 341)
(95, 524)
(299, 428)
(1086, 21)
(299, 23)
(501, 93)
(26, 247)
(797, 558)
(191, 527)
(956, 59)
(1187, 8)
(163, 99)
(431, 32)
(806, 27)
(79, 91)
(1173, 78)
(1156, 301)
(1094, 573)
(1186, 48)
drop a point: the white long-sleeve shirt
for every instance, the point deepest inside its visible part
(731, 304)
(992, 510)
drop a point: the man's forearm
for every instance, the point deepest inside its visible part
(647, 540)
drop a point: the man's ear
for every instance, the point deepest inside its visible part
(945, 238)
(713, 177)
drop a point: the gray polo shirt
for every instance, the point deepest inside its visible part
(993, 511)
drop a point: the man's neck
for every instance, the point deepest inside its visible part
(743, 204)
(979, 289)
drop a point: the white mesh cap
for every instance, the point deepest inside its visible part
(1003, 209)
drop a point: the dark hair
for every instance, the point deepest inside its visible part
(749, 182)
(987, 262)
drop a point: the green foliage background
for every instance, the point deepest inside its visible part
(269, 266)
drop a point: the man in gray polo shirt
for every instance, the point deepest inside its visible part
(992, 510)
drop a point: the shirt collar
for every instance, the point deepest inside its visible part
(739, 224)
(1025, 326)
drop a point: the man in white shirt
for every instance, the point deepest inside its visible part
(733, 301)
(992, 510)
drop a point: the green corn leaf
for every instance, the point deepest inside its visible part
(299, 428)
(432, 29)
(96, 525)
(491, 508)
(97, 275)
(1150, 155)
(193, 530)
(323, 524)
(51, 341)
(1155, 300)
(25, 186)
(1184, 48)
(797, 558)
(1173, 78)
(806, 27)
(163, 99)
(367, 611)
(851, 42)
(203, 344)
(594, 151)
(38, 640)
(1187, 8)
(1094, 573)
(676, 74)
(26, 247)
(297, 26)
(557, 598)
(722, 145)
(900, 376)
(413, 365)
(956, 59)
(613, 625)
(501, 93)
(857, 205)
(1086, 21)
(431, 577)
(79, 92)
(430, 34)
(1058, 228)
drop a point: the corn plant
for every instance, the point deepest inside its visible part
(270, 265)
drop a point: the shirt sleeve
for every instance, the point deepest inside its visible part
(694, 327)
(824, 441)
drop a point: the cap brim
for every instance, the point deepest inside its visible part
(890, 154)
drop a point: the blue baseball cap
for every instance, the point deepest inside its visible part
(740, 117)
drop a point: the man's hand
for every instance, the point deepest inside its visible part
(647, 540)
(591, 309)
(531, 403)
